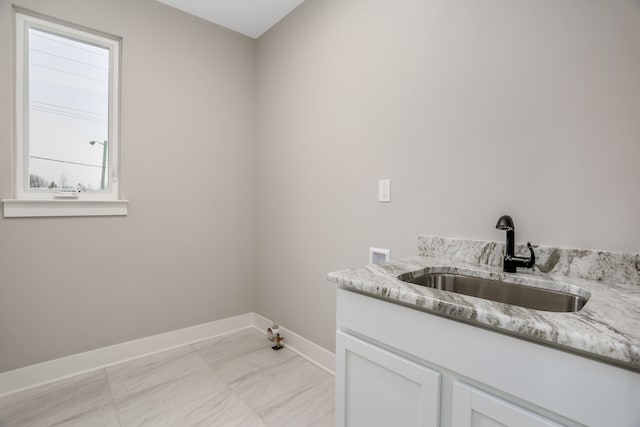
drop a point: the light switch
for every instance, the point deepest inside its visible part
(384, 190)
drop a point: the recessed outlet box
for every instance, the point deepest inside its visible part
(384, 190)
(378, 255)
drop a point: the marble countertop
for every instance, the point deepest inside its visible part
(607, 328)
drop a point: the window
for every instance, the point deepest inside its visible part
(66, 115)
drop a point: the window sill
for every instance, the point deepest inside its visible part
(15, 208)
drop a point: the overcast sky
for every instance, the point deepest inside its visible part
(69, 101)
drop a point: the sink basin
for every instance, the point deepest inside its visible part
(494, 290)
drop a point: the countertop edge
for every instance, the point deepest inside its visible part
(579, 333)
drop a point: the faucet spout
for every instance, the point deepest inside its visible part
(511, 261)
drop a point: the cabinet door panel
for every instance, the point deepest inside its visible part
(474, 408)
(376, 387)
(479, 420)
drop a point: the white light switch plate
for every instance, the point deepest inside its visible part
(384, 190)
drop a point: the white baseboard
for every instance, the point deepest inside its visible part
(305, 348)
(54, 370)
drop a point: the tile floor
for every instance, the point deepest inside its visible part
(232, 380)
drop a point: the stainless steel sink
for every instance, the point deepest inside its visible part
(494, 290)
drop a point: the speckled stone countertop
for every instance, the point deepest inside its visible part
(607, 328)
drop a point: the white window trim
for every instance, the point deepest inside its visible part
(48, 203)
(50, 208)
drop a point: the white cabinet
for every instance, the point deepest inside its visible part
(474, 408)
(376, 387)
(396, 366)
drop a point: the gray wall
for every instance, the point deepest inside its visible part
(472, 109)
(184, 254)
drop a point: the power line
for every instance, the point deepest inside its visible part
(67, 114)
(68, 59)
(67, 44)
(68, 72)
(68, 108)
(64, 161)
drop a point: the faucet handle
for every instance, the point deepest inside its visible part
(533, 255)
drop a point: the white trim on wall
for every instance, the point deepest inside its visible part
(54, 370)
(14, 208)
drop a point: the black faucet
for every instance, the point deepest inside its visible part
(510, 260)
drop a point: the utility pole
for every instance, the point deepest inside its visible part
(104, 161)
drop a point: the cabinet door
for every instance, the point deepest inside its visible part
(474, 408)
(375, 387)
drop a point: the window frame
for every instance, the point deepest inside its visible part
(23, 23)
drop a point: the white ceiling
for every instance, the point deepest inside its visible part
(249, 17)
